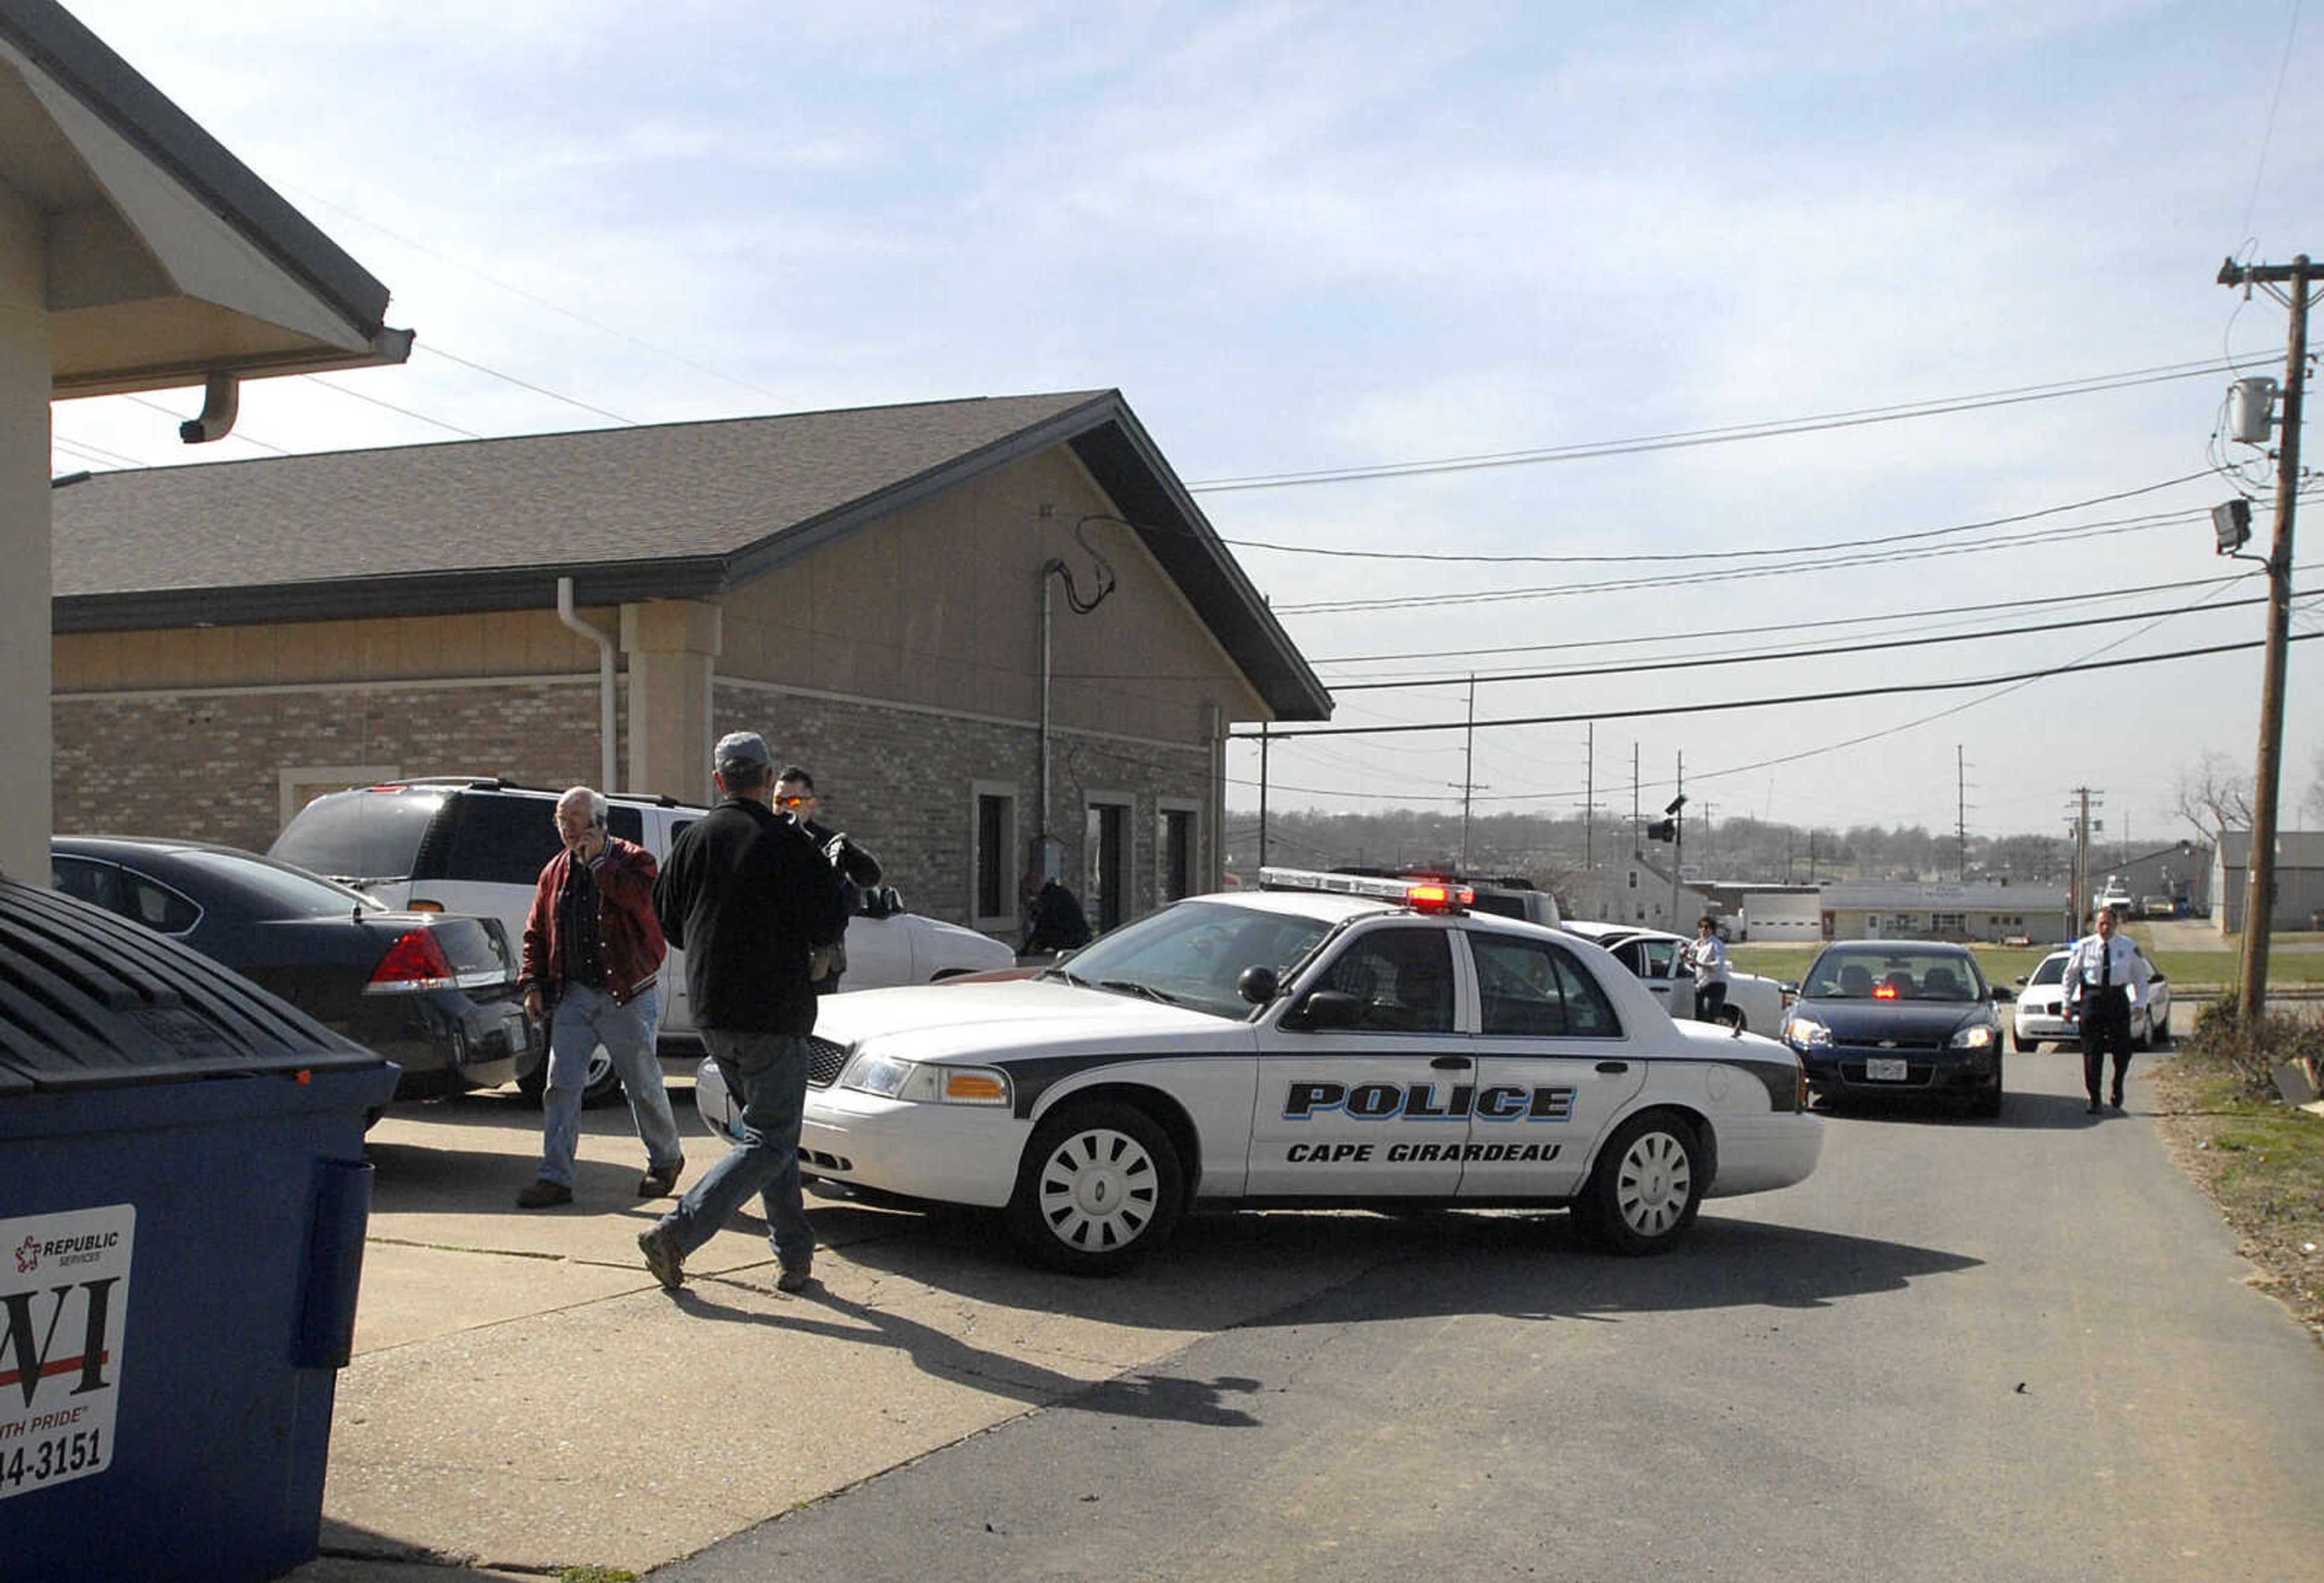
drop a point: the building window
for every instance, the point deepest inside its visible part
(996, 861)
(1175, 857)
(1945, 924)
(1633, 884)
(1105, 845)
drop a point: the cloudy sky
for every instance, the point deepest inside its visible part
(1617, 338)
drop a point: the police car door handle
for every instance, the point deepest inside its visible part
(1611, 1068)
(1451, 1064)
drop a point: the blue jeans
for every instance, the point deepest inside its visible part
(768, 1072)
(586, 1018)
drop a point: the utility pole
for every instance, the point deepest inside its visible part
(1678, 837)
(2259, 884)
(1960, 814)
(1262, 794)
(1590, 799)
(2077, 883)
(1467, 771)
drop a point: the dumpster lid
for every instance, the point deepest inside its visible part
(91, 1000)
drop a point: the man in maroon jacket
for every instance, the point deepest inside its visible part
(593, 952)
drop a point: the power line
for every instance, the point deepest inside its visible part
(1689, 636)
(1886, 557)
(1705, 662)
(523, 385)
(1289, 733)
(1717, 555)
(1684, 439)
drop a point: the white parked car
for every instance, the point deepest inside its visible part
(1754, 1004)
(1355, 1042)
(470, 844)
(2040, 1015)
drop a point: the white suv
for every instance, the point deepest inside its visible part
(461, 844)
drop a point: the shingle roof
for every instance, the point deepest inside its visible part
(670, 511)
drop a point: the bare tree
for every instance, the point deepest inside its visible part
(2212, 797)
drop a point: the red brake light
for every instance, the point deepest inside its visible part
(1884, 992)
(416, 962)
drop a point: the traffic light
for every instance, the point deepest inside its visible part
(1663, 830)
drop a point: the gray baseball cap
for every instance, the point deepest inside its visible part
(741, 752)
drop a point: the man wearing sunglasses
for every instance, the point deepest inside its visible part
(858, 871)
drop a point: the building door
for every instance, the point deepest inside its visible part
(1106, 842)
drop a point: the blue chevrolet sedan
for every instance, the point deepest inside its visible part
(1899, 1020)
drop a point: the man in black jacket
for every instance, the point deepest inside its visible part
(746, 895)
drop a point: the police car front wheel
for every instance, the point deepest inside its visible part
(1646, 1186)
(1099, 1185)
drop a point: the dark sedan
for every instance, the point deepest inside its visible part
(433, 993)
(1891, 1019)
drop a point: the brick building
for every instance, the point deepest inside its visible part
(978, 622)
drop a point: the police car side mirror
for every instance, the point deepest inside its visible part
(1327, 1008)
(1257, 985)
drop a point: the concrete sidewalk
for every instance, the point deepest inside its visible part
(524, 1397)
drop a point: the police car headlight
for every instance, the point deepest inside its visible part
(1804, 1032)
(1978, 1035)
(926, 1083)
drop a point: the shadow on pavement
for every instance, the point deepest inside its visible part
(952, 1357)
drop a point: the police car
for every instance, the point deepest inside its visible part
(1326, 1040)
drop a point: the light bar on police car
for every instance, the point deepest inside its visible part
(1439, 896)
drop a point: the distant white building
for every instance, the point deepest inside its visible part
(1777, 914)
(2298, 879)
(1990, 912)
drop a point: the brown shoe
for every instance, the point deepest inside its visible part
(795, 1278)
(663, 1258)
(658, 1179)
(544, 1195)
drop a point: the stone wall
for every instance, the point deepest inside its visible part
(208, 765)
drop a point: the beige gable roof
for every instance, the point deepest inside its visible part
(685, 511)
(600, 497)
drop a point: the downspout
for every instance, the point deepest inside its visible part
(604, 680)
(1041, 806)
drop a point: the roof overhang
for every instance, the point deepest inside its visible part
(168, 260)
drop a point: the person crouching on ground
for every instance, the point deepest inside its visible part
(746, 895)
(592, 954)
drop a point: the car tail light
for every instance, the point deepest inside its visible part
(419, 905)
(415, 962)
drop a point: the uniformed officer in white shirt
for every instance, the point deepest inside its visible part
(2106, 979)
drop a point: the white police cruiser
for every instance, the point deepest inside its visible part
(1328, 1039)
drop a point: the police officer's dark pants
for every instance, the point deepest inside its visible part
(1709, 1000)
(2106, 1026)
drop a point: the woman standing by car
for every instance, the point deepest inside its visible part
(1707, 955)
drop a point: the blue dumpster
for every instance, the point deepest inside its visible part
(183, 1197)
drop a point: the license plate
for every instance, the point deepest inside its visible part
(1885, 1068)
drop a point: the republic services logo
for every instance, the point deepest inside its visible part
(28, 1255)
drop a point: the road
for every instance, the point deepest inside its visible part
(1962, 1351)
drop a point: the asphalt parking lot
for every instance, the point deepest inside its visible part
(524, 1397)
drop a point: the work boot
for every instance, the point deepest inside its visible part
(658, 1179)
(663, 1258)
(544, 1195)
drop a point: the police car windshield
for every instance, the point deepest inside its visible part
(1194, 953)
